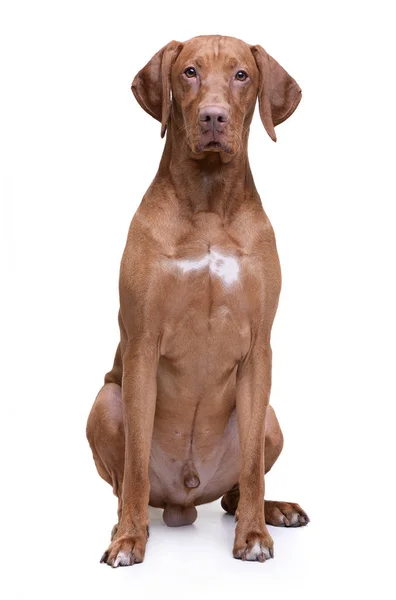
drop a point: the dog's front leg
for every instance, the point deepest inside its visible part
(139, 399)
(252, 540)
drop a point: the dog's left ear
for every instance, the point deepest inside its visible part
(152, 85)
(279, 94)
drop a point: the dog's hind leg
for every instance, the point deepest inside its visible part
(283, 514)
(280, 514)
(105, 433)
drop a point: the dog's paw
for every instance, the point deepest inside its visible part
(285, 514)
(254, 546)
(125, 551)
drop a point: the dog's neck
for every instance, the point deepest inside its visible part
(211, 181)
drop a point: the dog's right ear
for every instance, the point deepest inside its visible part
(152, 85)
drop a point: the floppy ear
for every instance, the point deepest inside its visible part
(279, 94)
(152, 85)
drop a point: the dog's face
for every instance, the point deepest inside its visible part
(215, 85)
(207, 89)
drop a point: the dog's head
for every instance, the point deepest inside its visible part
(207, 88)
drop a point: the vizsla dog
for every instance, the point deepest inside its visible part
(184, 415)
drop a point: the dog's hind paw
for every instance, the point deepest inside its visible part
(285, 514)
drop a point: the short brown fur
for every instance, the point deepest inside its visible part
(184, 415)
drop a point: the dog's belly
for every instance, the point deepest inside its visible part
(178, 457)
(195, 448)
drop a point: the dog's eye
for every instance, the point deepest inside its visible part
(241, 76)
(190, 72)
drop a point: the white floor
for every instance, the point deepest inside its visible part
(59, 556)
(57, 515)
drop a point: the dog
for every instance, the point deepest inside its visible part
(183, 417)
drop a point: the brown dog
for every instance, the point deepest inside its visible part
(184, 415)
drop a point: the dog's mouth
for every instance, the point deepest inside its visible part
(212, 145)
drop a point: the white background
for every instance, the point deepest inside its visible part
(77, 155)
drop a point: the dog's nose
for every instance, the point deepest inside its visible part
(213, 117)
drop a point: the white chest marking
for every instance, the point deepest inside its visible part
(222, 266)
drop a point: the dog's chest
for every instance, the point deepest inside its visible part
(208, 262)
(206, 283)
(215, 262)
